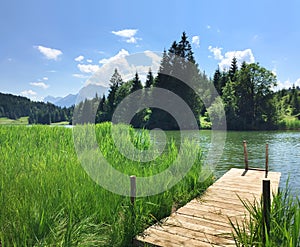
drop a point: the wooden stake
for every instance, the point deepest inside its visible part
(267, 160)
(266, 209)
(245, 155)
(132, 188)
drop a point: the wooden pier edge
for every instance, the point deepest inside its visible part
(204, 221)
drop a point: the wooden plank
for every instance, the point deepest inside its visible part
(217, 218)
(216, 210)
(197, 223)
(204, 221)
(167, 239)
(219, 204)
(176, 236)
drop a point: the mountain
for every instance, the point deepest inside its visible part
(90, 91)
(87, 92)
(52, 99)
(67, 101)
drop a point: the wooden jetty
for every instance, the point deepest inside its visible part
(204, 221)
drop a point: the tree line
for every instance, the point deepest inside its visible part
(249, 98)
(178, 65)
(246, 93)
(14, 107)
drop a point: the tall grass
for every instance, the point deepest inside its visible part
(284, 225)
(47, 199)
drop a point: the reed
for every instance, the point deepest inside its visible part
(284, 225)
(47, 199)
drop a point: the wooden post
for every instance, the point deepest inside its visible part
(266, 209)
(267, 160)
(132, 188)
(245, 155)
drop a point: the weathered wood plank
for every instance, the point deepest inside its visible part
(204, 221)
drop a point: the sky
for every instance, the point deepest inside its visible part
(54, 47)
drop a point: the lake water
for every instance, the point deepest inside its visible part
(284, 152)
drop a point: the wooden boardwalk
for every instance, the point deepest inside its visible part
(204, 221)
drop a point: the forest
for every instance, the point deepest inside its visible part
(245, 92)
(14, 107)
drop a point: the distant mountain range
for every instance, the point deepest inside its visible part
(86, 92)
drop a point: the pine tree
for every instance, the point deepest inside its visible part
(179, 74)
(295, 101)
(136, 83)
(217, 81)
(115, 82)
(233, 69)
(87, 112)
(150, 79)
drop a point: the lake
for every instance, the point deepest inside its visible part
(284, 152)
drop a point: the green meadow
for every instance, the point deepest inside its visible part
(47, 198)
(8, 121)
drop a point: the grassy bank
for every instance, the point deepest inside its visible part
(8, 121)
(289, 123)
(284, 225)
(47, 199)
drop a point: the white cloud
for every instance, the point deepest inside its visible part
(287, 84)
(131, 40)
(88, 68)
(39, 84)
(89, 60)
(28, 93)
(216, 51)
(196, 40)
(225, 61)
(81, 76)
(79, 58)
(49, 53)
(241, 56)
(45, 78)
(121, 54)
(208, 27)
(127, 65)
(128, 35)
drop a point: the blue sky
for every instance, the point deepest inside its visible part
(53, 47)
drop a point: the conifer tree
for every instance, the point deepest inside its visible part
(115, 82)
(150, 79)
(233, 69)
(217, 81)
(178, 72)
(136, 83)
(295, 101)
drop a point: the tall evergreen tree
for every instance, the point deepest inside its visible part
(136, 83)
(245, 96)
(217, 81)
(177, 68)
(150, 79)
(295, 101)
(115, 82)
(252, 94)
(87, 112)
(233, 69)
